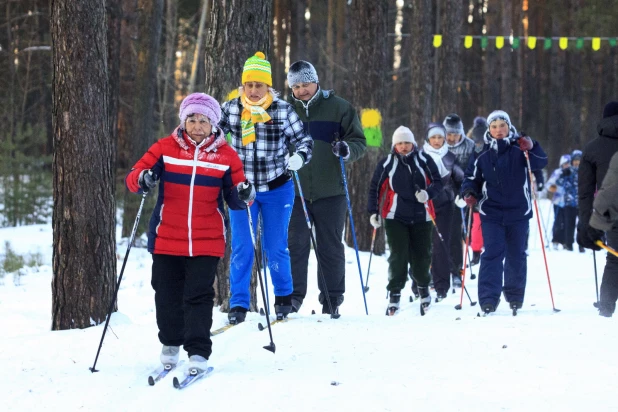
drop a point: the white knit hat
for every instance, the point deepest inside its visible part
(402, 134)
(302, 72)
(499, 115)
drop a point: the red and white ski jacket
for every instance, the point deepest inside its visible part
(188, 219)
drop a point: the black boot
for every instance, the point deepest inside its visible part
(237, 315)
(283, 306)
(334, 303)
(393, 303)
(476, 258)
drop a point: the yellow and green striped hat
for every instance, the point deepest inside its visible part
(257, 69)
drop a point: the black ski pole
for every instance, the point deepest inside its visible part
(347, 197)
(315, 248)
(271, 346)
(463, 219)
(124, 263)
(435, 226)
(596, 279)
(373, 240)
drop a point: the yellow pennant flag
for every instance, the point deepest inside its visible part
(596, 43)
(563, 43)
(468, 42)
(531, 42)
(499, 42)
(437, 40)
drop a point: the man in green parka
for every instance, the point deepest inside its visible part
(335, 128)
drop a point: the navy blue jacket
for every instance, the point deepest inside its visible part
(498, 177)
(393, 186)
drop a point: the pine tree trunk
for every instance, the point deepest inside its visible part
(114, 20)
(234, 23)
(367, 91)
(142, 128)
(84, 252)
(167, 107)
(421, 64)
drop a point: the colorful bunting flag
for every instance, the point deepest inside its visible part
(612, 42)
(547, 43)
(563, 43)
(499, 42)
(579, 43)
(531, 42)
(468, 42)
(484, 42)
(515, 43)
(437, 40)
(596, 43)
(371, 120)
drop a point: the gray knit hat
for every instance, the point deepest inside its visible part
(452, 123)
(477, 133)
(302, 72)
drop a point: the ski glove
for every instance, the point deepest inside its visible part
(246, 192)
(375, 220)
(422, 196)
(147, 180)
(296, 162)
(470, 200)
(586, 236)
(459, 202)
(341, 149)
(525, 143)
(539, 186)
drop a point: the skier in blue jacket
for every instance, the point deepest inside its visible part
(499, 179)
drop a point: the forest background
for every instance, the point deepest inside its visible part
(86, 87)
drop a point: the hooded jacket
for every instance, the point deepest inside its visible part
(498, 177)
(395, 182)
(594, 164)
(188, 219)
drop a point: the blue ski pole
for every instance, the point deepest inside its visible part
(347, 196)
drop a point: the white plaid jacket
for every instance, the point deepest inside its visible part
(267, 158)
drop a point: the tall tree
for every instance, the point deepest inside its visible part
(142, 128)
(114, 23)
(367, 91)
(84, 258)
(420, 61)
(233, 22)
(167, 105)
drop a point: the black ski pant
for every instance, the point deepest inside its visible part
(558, 231)
(327, 217)
(609, 284)
(184, 298)
(409, 244)
(569, 219)
(440, 258)
(456, 234)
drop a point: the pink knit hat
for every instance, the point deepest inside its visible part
(200, 103)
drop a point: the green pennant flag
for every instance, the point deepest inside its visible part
(579, 43)
(484, 42)
(515, 44)
(547, 43)
(612, 42)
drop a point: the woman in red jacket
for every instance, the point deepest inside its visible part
(195, 170)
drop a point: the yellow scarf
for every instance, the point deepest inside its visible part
(253, 112)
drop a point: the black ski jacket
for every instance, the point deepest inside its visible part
(594, 164)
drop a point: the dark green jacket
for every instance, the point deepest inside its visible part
(326, 118)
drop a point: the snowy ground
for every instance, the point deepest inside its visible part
(447, 360)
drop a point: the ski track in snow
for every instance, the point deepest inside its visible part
(447, 360)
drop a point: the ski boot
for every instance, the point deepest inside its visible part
(425, 299)
(197, 364)
(440, 296)
(515, 306)
(476, 258)
(170, 355)
(414, 292)
(237, 315)
(488, 308)
(283, 306)
(393, 304)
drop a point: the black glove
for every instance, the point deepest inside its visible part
(341, 149)
(587, 236)
(147, 180)
(566, 172)
(246, 191)
(539, 186)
